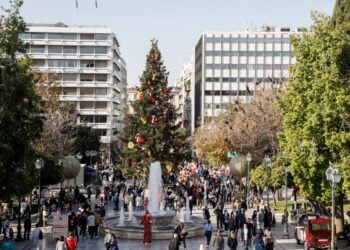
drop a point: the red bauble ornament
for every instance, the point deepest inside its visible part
(152, 99)
(164, 90)
(140, 139)
(133, 162)
(153, 119)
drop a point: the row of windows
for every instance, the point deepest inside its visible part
(85, 91)
(74, 77)
(250, 53)
(64, 36)
(228, 92)
(240, 79)
(100, 132)
(216, 105)
(247, 66)
(247, 39)
(93, 119)
(87, 50)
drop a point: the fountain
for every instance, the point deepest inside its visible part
(163, 222)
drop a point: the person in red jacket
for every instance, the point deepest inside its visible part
(71, 242)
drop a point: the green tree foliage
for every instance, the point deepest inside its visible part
(316, 106)
(20, 123)
(86, 140)
(341, 14)
(152, 132)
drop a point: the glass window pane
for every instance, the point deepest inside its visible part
(69, 49)
(101, 91)
(37, 49)
(38, 36)
(86, 77)
(69, 36)
(86, 105)
(70, 77)
(100, 105)
(86, 36)
(86, 50)
(101, 37)
(100, 119)
(101, 78)
(55, 49)
(87, 64)
(101, 50)
(54, 36)
(87, 91)
(24, 36)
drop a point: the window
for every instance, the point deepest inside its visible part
(101, 64)
(100, 119)
(55, 49)
(69, 77)
(62, 63)
(86, 105)
(54, 36)
(87, 64)
(69, 50)
(87, 119)
(86, 77)
(100, 105)
(38, 63)
(24, 36)
(101, 37)
(69, 63)
(101, 91)
(37, 49)
(242, 53)
(101, 50)
(55, 63)
(86, 36)
(38, 36)
(268, 53)
(243, 40)
(86, 91)
(101, 78)
(285, 53)
(86, 50)
(101, 132)
(69, 36)
(207, 105)
(69, 91)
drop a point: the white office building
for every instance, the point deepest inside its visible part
(230, 66)
(86, 63)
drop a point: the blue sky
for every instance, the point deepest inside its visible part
(177, 24)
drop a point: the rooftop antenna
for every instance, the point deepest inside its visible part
(95, 7)
(76, 12)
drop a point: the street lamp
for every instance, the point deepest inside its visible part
(39, 164)
(267, 163)
(333, 176)
(79, 157)
(286, 233)
(248, 159)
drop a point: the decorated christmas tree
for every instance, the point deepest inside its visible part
(152, 132)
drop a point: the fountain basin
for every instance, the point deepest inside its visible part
(158, 219)
(132, 230)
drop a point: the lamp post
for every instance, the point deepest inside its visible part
(333, 176)
(39, 164)
(267, 163)
(286, 233)
(248, 159)
(19, 168)
(79, 157)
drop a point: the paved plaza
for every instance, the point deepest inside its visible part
(192, 243)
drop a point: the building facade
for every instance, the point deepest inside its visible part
(230, 66)
(87, 65)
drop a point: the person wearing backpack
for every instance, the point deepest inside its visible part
(258, 243)
(219, 241)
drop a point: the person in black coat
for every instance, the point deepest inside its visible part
(174, 243)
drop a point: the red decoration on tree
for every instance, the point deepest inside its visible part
(153, 99)
(149, 84)
(153, 119)
(139, 139)
(133, 162)
(164, 90)
(140, 96)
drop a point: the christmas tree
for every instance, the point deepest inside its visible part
(151, 132)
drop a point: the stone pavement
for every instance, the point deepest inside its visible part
(192, 243)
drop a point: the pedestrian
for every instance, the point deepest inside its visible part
(183, 234)
(246, 236)
(147, 232)
(83, 224)
(98, 222)
(73, 225)
(109, 240)
(206, 213)
(91, 225)
(37, 236)
(71, 242)
(8, 245)
(208, 230)
(61, 244)
(219, 241)
(44, 215)
(258, 243)
(8, 231)
(174, 243)
(27, 223)
(269, 241)
(232, 241)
